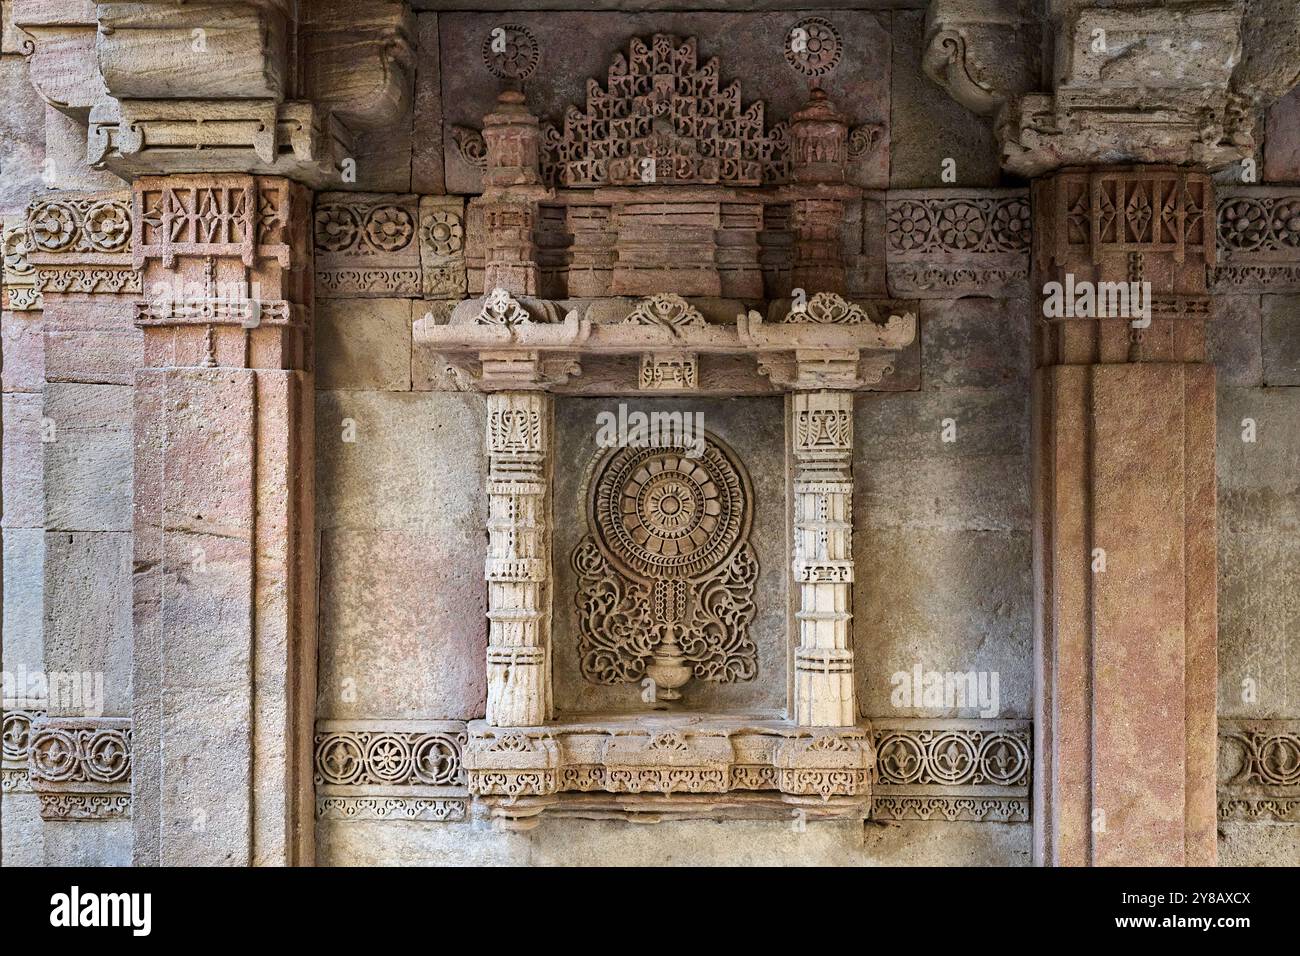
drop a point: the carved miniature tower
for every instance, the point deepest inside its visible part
(512, 181)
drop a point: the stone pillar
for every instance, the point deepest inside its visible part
(519, 558)
(821, 432)
(1125, 517)
(224, 547)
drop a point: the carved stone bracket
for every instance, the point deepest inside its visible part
(390, 770)
(1259, 770)
(668, 767)
(976, 770)
(81, 767)
(256, 86)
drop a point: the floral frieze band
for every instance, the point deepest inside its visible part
(390, 769)
(943, 243)
(81, 244)
(1259, 770)
(1258, 240)
(390, 245)
(975, 770)
(80, 767)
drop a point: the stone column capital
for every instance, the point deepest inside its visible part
(253, 86)
(1136, 82)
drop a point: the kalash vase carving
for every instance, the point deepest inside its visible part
(666, 573)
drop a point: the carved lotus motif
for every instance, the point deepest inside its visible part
(443, 232)
(909, 226)
(336, 228)
(1286, 222)
(961, 225)
(53, 226)
(389, 228)
(15, 254)
(17, 734)
(108, 226)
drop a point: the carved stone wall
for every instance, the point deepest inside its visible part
(353, 175)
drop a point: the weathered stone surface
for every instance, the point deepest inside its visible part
(88, 843)
(416, 463)
(1259, 844)
(402, 626)
(87, 624)
(1281, 339)
(22, 136)
(427, 156)
(908, 477)
(679, 843)
(1282, 140)
(974, 343)
(23, 464)
(1259, 481)
(946, 601)
(364, 344)
(24, 614)
(1259, 624)
(22, 841)
(24, 351)
(88, 464)
(928, 126)
(1233, 340)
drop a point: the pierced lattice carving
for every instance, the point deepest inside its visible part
(667, 565)
(662, 119)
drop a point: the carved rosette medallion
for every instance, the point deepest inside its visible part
(666, 576)
(813, 47)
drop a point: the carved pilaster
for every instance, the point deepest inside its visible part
(1125, 640)
(518, 562)
(224, 599)
(821, 433)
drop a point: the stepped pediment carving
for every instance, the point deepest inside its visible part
(663, 118)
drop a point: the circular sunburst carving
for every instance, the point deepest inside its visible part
(659, 513)
(510, 52)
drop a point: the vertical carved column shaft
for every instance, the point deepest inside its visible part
(1125, 490)
(519, 558)
(822, 436)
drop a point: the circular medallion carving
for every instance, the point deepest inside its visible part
(658, 513)
(813, 46)
(510, 52)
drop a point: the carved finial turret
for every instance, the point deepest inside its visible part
(819, 141)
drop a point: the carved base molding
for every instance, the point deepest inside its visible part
(1259, 770)
(973, 770)
(628, 766)
(80, 767)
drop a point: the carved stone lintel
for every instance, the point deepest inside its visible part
(367, 245)
(81, 244)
